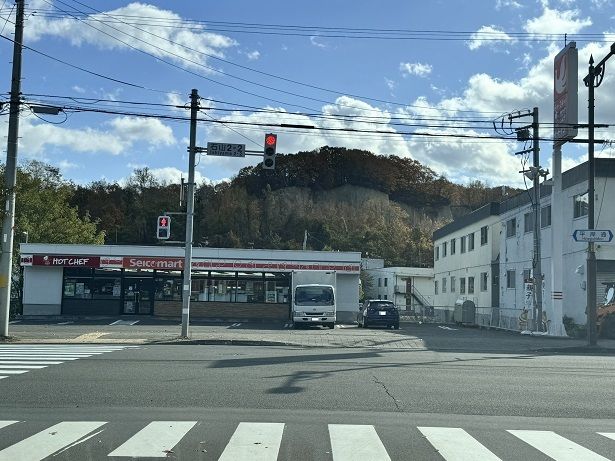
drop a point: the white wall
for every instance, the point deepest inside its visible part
(347, 297)
(42, 294)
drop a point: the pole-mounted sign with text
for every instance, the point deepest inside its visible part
(566, 94)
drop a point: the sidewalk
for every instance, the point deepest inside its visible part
(411, 336)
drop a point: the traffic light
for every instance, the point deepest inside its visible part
(164, 228)
(271, 141)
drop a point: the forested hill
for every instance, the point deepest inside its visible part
(346, 199)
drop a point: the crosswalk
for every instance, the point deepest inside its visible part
(262, 441)
(17, 359)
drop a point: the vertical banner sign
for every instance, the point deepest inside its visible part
(566, 94)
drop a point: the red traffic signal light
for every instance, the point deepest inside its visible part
(269, 151)
(163, 231)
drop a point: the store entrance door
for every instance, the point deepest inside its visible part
(138, 295)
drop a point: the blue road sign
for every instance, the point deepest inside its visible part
(593, 235)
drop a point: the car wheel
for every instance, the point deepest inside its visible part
(396, 326)
(331, 326)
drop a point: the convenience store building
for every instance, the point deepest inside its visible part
(95, 280)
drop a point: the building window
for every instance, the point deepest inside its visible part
(483, 281)
(545, 216)
(511, 227)
(471, 242)
(385, 296)
(470, 285)
(581, 205)
(528, 222)
(483, 235)
(437, 250)
(452, 246)
(444, 246)
(435, 286)
(386, 282)
(510, 279)
(463, 244)
(452, 284)
(443, 284)
(462, 285)
(527, 275)
(379, 282)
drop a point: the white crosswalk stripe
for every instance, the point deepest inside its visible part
(21, 358)
(156, 440)
(350, 442)
(254, 442)
(455, 444)
(49, 441)
(557, 447)
(260, 441)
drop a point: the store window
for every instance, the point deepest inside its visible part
(241, 287)
(168, 286)
(86, 284)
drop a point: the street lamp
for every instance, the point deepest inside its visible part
(592, 80)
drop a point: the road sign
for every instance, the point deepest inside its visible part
(224, 149)
(595, 235)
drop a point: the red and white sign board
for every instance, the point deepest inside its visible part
(177, 264)
(566, 94)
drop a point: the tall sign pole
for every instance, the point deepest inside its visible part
(10, 176)
(565, 119)
(192, 150)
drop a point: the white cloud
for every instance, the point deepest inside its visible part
(183, 43)
(553, 21)
(415, 68)
(122, 133)
(172, 175)
(314, 41)
(489, 36)
(67, 165)
(499, 4)
(253, 55)
(390, 83)
(78, 89)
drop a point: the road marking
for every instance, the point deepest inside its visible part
(2, 377)
(455, 444)
(65, 323)
(350, 442)
(89, 336)
(254, 442)
(235, 325)
(447, 328)
(125, 322)
(7, 423)
(27, 362)
(22, 366)
(557, 447)
(155, 440)
(12, 372)
(49, 441)
(610, 435)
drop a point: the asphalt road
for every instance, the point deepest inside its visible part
(319, 403)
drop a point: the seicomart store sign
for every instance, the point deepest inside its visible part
(170, 263)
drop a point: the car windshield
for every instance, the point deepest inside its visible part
(379, 305)
(314, 296)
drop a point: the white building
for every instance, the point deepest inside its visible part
(501, 267)
(466, 262)
(410, 288)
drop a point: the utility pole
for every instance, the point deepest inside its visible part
(534, 173)
(592, 81)
(10, 176)
(537, 279)
(194, 109)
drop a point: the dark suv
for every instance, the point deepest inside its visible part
(378, 312)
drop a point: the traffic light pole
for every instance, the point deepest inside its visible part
(10, 176)
(194, 109)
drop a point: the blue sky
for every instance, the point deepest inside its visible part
(416, 65)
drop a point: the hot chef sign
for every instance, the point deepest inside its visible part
(60, 260)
